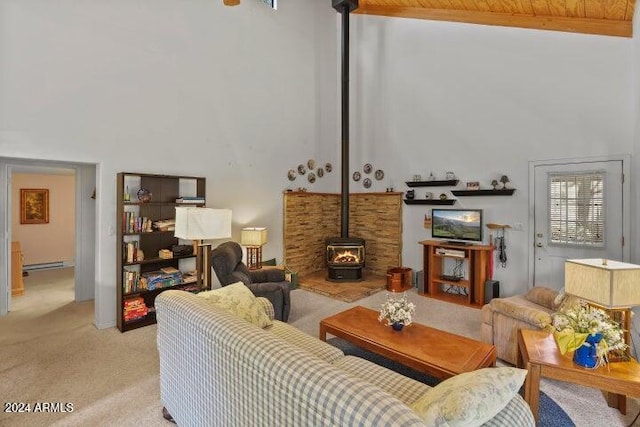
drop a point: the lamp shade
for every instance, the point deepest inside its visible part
(202, 223)
(612, 285)
(253, 236)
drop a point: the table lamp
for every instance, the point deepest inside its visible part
(199, 224)
(612, 285)
(253, 238)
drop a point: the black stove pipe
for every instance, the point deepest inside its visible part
(345, 7)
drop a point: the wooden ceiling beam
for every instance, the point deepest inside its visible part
(609, 27)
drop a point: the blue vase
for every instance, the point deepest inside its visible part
(587, 354)
(397, 326)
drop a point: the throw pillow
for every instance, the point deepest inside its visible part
(240, 301)
(542, 296)
(471, 398)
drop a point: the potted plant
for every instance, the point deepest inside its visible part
(397, 312)
(589, 332)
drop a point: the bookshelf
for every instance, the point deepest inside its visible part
(146, 262)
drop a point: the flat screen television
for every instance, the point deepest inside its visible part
(457, 225)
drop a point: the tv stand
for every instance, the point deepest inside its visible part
(467, 291)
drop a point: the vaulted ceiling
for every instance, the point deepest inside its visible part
(604, 17)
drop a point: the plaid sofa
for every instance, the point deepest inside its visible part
(219, 370)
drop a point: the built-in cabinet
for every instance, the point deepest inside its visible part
(455, 272)
(150, 259)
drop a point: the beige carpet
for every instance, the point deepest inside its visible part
(316, 282)
(51, 352)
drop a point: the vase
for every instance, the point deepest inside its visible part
(587, 354)
(397, 326)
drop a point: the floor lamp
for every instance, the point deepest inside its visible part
(612, 285)
(200, 224)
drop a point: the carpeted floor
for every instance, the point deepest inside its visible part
(50, 351)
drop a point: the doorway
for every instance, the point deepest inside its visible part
(580, 210)
(85, 220)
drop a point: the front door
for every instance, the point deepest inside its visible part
(578, 213)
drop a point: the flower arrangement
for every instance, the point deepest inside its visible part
(399, 311)
(573, 326)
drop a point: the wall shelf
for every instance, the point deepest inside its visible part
(502, 192)
(429, 201)
(441, 183)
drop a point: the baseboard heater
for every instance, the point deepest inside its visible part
(43, 266)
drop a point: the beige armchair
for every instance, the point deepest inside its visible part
(502, 318)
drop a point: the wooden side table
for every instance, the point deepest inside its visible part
(539, 354)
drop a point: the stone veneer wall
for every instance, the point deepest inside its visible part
(309, 218)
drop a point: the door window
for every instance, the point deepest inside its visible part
(576, 209)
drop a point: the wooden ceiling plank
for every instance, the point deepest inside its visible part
(524, 6)
(615, 9)
(594, 9)
(557, 7)
(510, 6)
(444, 4)
(556, 23)
(433, 4)
(575, 8)
(631, 6)
(482, 5)
(540, 7)
(496, 6)
(458, 4)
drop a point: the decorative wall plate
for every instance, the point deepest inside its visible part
(356, 176)
(311, 164)
(291, 175)
(320, 172)
(301, 169)
(367, 168)
(379, 174)
(328, 167)
(366, 182)
(311, 177)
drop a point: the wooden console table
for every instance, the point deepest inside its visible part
(475, 257)
(539, 354)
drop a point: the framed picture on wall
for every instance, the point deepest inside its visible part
(34, 206)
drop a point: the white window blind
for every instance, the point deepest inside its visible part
(576, 208)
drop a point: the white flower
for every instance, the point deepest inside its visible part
(397, 311)
(586, 319)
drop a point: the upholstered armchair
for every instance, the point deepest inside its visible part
(227, 263)
(502, 318)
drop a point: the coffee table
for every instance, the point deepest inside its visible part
(428, 350)
(539, 354)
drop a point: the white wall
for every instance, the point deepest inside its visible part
(483, 101)
(243, 94)
(236, 94)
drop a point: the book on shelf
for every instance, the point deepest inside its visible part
(136, 224)
(190, 199)
(134, 309)
(165, 224)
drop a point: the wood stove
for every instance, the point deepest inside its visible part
(345, 255)
(345, 259)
